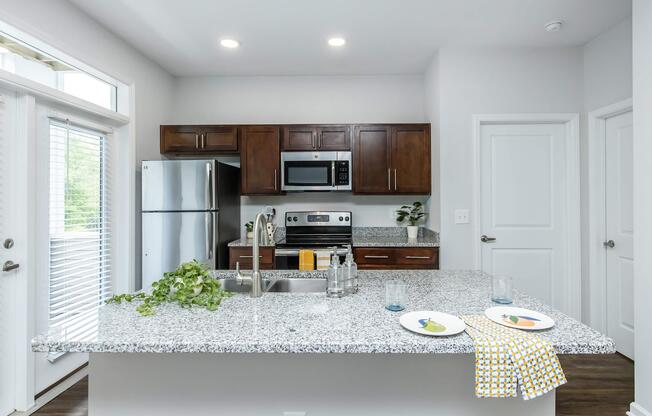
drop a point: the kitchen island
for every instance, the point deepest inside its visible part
(288, 352)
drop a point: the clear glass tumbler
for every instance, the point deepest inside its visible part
(501, 289)
(395, 295)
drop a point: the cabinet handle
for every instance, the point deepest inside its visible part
(249, 257)
(203, 140)
(314, 140)
(319, 142)
(395, 179)
(418, 257)
(196, 141)
(376, 257)
(389, 179)
(275, 185)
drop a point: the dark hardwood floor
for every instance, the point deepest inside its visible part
(598, 385)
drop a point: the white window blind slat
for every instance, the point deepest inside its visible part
(80, 226)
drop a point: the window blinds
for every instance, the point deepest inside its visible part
(80, 227)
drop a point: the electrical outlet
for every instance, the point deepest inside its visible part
(461, 216)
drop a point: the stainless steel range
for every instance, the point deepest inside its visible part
(313, 230)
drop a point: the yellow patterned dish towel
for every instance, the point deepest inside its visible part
(506, 358)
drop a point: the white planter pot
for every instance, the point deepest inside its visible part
(413, 231)
(250, 235)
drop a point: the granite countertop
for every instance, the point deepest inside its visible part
(313, 323)
(369, 237)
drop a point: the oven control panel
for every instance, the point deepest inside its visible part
(318, 218)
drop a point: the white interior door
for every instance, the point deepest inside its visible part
(8, 273)
(619, 231)
(523, 206)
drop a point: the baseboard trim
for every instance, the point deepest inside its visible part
(56, 390)
(637, 410)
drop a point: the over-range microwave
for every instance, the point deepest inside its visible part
(316, 171)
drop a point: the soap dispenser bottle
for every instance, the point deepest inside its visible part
(335, 277)
(350, 273)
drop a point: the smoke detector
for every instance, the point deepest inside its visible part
(553, 26)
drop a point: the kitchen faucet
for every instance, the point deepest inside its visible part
(254, 278)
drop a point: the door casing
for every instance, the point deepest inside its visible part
(597, 121)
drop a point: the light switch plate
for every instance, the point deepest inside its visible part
(461, 216)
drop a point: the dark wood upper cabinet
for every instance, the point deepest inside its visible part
(179, 139)
(336, 138)
(199, 139)
(260, 154)
(317, 138)
(299, 137)
(410, 145)
(392, 159)
(219, 138)
(371, 164)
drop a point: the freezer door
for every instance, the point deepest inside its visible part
(178, 185)
(171, 238)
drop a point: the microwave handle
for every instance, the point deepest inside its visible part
(333, 173)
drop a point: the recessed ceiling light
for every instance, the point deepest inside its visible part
(229, 43)
(553, 26)
(337, 41)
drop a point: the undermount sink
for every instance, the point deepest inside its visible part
(293, 285)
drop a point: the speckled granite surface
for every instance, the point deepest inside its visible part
(371, 237)
(312, 323)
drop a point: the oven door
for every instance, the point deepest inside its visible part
(308, 171)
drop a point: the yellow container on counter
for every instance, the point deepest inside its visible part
(306, 260)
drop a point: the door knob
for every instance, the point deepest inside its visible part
(486, 239)
(9, 243)
(9, 266)
(609, 243)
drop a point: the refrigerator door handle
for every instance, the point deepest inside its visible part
(209, 235)
(209, 186)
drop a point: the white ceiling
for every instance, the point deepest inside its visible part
(283, 37)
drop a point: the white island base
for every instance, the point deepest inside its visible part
(258, 384)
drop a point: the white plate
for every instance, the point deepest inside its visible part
(436, 324)
(519, 318)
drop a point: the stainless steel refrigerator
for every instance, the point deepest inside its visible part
(190, 210)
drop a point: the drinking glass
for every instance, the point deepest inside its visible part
(395, 295)
(501, 289)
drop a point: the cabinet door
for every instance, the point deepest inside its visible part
(411, 159)
(334, 138)
(179, 139)
(243, 255)
(299, 138)
(260, 155)
(371, 167)
(219, 139)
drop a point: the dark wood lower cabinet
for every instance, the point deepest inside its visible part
(387, 258)
(244, 256)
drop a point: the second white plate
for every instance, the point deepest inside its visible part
(436, 324)
(519, 318)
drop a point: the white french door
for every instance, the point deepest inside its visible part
(10, 242)
(619, 244)
(524, 208)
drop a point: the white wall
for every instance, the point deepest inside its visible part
(608, 67)
(431, 93)
(476, 81)
(306, 99)
(642, 35)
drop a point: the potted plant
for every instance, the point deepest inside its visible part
(413, 214)
(250, 230)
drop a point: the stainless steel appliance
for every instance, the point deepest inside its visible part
(313, 230)
(316, 171)
(190, 210)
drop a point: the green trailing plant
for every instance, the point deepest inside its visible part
(249, 226)
(413, 214)
(189, 285)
